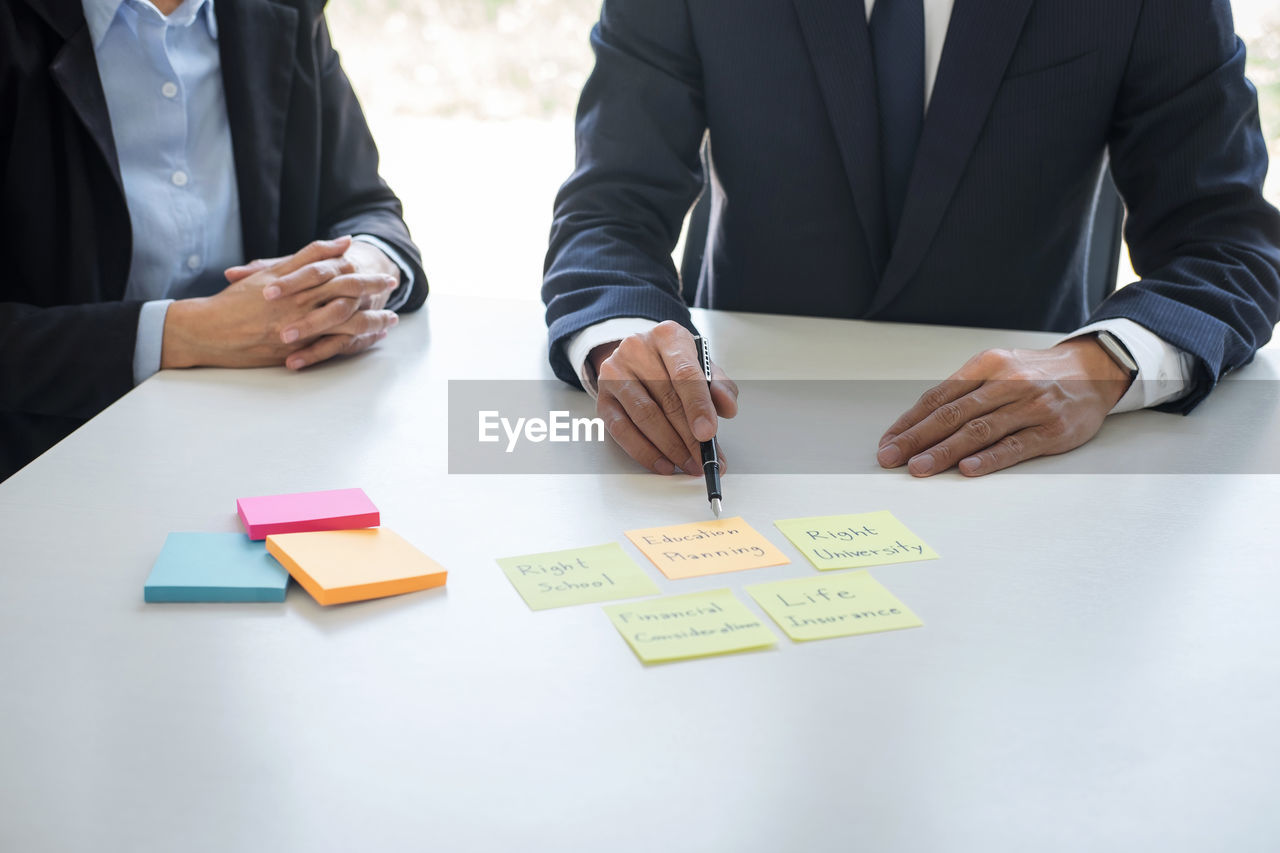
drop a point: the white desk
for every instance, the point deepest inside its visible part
(1099, 667)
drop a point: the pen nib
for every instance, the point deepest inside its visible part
(715, 507)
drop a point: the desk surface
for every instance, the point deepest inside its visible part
(1099, 667)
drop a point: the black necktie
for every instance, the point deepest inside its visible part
(897, 47)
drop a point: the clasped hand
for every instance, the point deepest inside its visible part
(326, 299)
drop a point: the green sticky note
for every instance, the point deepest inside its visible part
(577, 576)
(834, 606)
(855, 541)
(689, 626)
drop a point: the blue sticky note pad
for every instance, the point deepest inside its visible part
(215, 567)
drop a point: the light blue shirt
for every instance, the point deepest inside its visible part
(162, 78)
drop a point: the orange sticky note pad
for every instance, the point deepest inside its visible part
(706, 548)
(337, 566)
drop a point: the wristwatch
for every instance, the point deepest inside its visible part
(1119, 353)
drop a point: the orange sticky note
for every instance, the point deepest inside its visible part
(706, 548)
(337, 566)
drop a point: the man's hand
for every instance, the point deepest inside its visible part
(654, 398)
(1006, 406)
(298, 310)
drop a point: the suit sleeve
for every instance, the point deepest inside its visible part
(1189, 159)
(639, 128)
(68, 361)
(353, 197)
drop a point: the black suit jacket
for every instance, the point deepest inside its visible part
(1031, 96)
(306, 168)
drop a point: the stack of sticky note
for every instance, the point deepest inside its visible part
(329, 542)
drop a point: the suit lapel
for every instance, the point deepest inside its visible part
(257, 42)
(980, 41)
(835, 32)
(75, 70)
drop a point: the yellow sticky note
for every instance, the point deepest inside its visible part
(689, 626)
(577, 576)
(706, 548)
(338, 566)
(833, 606)
(855, 541)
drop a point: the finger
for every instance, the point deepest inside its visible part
(362, 287)
(958, 417)
(680, 362)
(318, 250)
(360, 343)
(332, 345)
(724, 393)
(308, 278)
(629, 438)
(323, 320)
(321, 350)
(974, 435)
(236, 273)
(649, 417)
(637, 360)
(930, 401)
(1010, 450)
(668, 399)
(367, 323)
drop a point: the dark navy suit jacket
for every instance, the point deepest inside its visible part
(1031, 96)
(306, 168)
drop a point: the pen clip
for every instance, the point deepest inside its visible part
(704, 355)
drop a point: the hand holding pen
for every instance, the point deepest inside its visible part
(655, 401)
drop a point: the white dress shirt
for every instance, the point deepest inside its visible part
(1164, 371)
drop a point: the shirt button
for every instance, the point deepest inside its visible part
(169, 90)
(180, 179)
(193, 262)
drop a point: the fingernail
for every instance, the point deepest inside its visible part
(664, 467)
(390, 280)
(970, 465)
(889, 456)
(289, 336)
(271, 291)
(691, 467)
(921, 464)
(885, 440)
(295, 363)
(395, 320)
(703, 429)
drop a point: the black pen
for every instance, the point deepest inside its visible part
(710, 452)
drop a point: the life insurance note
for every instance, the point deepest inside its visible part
(816, 608)
(855, 541)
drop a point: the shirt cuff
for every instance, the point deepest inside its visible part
(401, 294)
(150, 342)
(579, 347)
(1164, 371)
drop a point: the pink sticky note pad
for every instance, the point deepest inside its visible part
(339, 509)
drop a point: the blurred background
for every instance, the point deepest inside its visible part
(472, 104)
